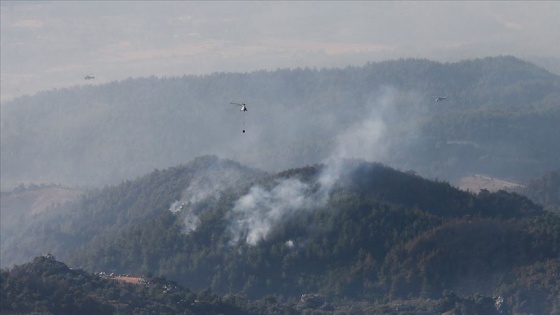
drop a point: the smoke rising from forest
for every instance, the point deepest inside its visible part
(256, 214)
(365, 139)
(204, 189)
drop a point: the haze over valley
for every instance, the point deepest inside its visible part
(55, 44)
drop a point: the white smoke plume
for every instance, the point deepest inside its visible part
(189, 214)
(205, 188)
(256, 214)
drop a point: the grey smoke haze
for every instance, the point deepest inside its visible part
(204, 189)
(54, 44)
(256, 214)
(368, 139)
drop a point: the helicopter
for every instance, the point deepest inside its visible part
(89, 77)
(243, 108)
(440, 98)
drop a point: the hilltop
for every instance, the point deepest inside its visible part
(28, 231)
(478, 182)
(342, 230)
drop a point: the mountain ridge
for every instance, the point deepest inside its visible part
(344, 229)
(97, 135)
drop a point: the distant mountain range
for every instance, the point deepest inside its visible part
(499, 118)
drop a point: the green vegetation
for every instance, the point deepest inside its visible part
(47, 286)
(381, 236)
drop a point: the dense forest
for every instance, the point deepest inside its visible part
(500, 118)
(341, 231)
(47, 286)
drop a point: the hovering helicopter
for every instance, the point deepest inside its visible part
(243, 108)
(440, 98)
(89, 77)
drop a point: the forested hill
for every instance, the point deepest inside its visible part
(62, 227)
(47, 286)
(500, 118)
(345, 229)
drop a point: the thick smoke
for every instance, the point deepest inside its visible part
(365, 139)
(204, 189)
(256, 214)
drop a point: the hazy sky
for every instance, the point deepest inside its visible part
(54, 44)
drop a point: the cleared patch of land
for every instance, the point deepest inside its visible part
(478, 182)
(133, 280)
